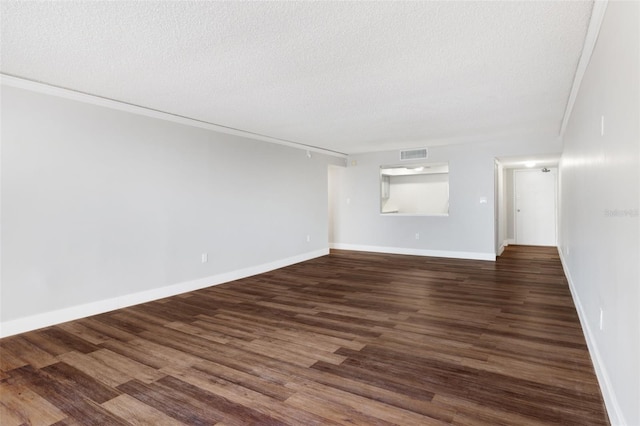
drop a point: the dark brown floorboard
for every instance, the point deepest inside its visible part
(349, 338)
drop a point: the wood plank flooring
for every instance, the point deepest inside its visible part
(349, 338)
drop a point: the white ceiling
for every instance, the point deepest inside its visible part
(345, 76)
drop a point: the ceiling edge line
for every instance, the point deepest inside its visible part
(39, 87)
(597, 15)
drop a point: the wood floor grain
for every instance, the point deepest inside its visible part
(349, 338)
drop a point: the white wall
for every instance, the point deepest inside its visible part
(418, 193)
(500, 221)
(510, 205)
(599, 200)
(335, 194)
(99, 205)
(468, 231)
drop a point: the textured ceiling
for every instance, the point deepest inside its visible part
(345, 76)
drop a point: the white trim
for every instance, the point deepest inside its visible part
(616, 416)
(47, 89)
(46, 319)
(597, 15)
(416, 252)
(509, 241)
(505, 244)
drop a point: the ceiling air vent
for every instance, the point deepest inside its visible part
(413, 154)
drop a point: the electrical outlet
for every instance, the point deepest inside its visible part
(308, 238)
(204, 257)
(417, 235)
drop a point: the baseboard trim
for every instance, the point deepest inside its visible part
(505, 243)
(46, 319)
(416, 252)
(616, 416)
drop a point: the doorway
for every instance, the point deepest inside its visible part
(535, 206)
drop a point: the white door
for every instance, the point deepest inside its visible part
(535, 205)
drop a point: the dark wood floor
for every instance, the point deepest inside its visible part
(350, 338)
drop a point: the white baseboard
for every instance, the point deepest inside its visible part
(509, 241)
(616, 416)
(416, 252)
(505, 243)
(501, 248)
(46, 319)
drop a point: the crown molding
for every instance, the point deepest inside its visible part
(597, 15)
(61, 92)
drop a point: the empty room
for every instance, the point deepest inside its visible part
(319, 213)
